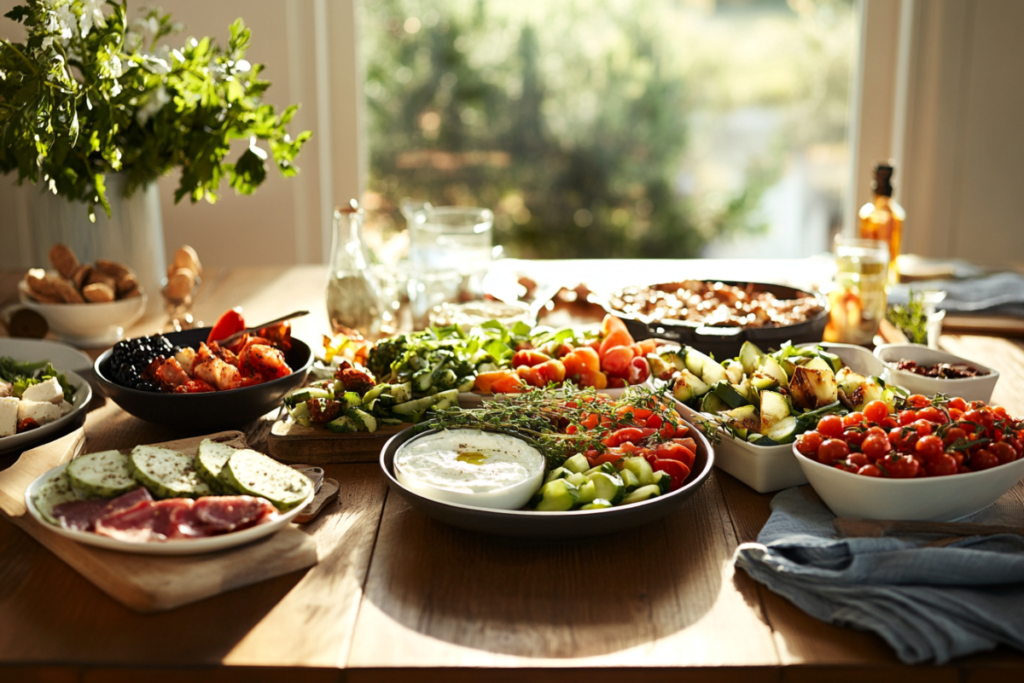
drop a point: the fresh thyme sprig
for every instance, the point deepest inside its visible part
(543, 417)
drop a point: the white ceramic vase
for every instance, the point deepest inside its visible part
(133, 234)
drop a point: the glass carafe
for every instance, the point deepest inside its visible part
(354, 300)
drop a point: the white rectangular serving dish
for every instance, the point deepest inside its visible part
(772, 468)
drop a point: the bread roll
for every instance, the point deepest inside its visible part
(64, 260)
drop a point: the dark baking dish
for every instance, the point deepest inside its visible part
(725, 342)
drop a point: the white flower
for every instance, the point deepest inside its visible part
(67, 21)
(92, 15)
(155, 102)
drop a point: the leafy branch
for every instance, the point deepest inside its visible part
(90, 93)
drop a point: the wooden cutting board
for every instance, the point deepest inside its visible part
(290, 442)
(148, 583)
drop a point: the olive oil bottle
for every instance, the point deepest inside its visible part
(882, 218)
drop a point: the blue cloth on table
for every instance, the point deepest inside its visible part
(996, 294)
(929, 604)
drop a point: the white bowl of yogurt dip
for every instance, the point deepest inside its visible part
(471, 467)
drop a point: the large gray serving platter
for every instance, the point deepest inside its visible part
(550, 525)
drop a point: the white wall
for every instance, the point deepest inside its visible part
(284, 222)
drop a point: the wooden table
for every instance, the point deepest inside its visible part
(397, 596)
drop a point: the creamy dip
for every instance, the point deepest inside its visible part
(471, 467)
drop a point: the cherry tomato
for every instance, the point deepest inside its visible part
(942, 466)
(1000, 412)
(917, 401)
(929, 448)
(888, 423)
(1004, 451)
(831, 426)
(845, 467)
(870, 471)
(833, 450)
(853, 436)
(956, 415)
(906, 417)
(876, 411)
(932, 414)
(229, 323)
(953, 435)
(853, 419)
(957, 404)
(923, 427)
(858, 460)
(875, 446)
(900, 466)
(808, 443)
(875, 430)
(896, 436)
(984, 459)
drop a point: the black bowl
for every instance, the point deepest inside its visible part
(212, 410)
(725, 342)
(550, 525)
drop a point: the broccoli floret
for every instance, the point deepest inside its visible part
(383, 354)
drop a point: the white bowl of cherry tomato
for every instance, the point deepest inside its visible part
(933, 459)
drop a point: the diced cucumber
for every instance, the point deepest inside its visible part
(834, 361)
(762, 381)
(55, 491)
(369, 421)
(557, 473)
(402, 392)
(375, 391)
(783, 431)
(167, 473)
(466, 384)
(575, 478)
(695, 361)
(712, 372)
(105, 474)
(712, 403)
(210, 460)
(446, 379)
(598, 504)
(759, 439)
(676, 358)
(421, 380)
(689, 386)
(744, 417)
(771, 368)
(774, 407)
(557, 496)
(415, 406)
(577, 463)
(750, 357)
(346, 424)
(663, 481)
(255, 474)
(352, 400)
(300, 414)
(303, 395)
(729, 394)
(608, 486)
(629, 479)
(587, 492)
(486, 367)
(641, 494)
(640, 468)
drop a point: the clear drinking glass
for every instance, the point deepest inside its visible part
(858, 299)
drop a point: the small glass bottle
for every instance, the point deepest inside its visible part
(354, 300)
(882, 218)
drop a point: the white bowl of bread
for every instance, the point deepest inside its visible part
(83, 304)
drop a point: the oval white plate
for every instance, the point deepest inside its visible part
(194, 546)
(66, 360)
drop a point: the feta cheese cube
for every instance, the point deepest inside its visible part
(65, 407)
(44, 392)
(41, 412)
(8, 416)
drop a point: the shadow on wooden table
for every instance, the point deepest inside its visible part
(548, 599)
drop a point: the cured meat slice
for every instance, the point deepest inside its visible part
(229, 513)
(82, 515)
(147, 521)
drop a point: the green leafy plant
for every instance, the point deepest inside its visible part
(90, 93)
(911, 319)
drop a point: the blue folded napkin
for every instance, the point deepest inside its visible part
(996, 294)
(929, 604)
